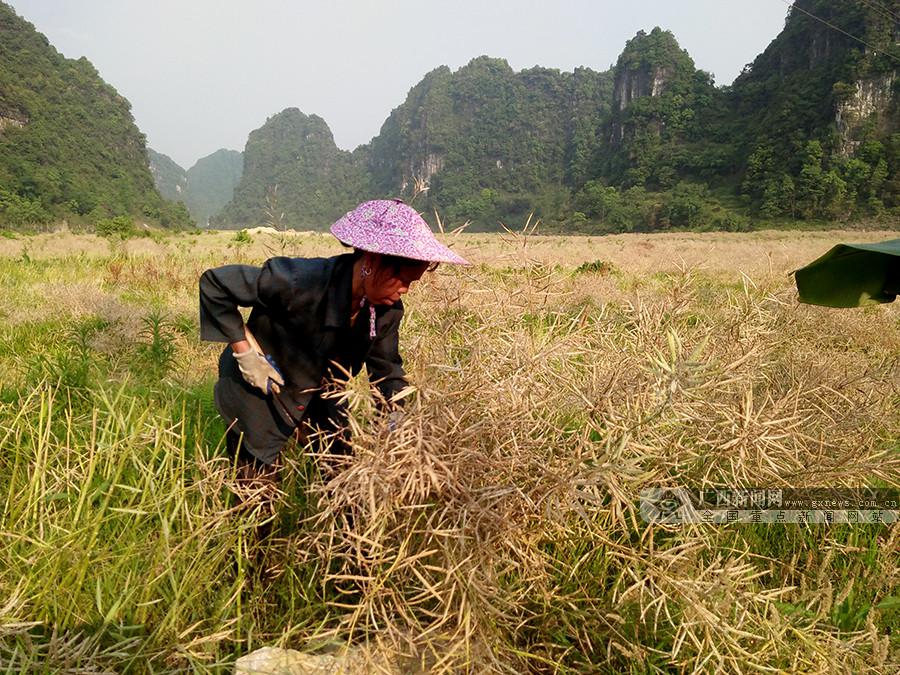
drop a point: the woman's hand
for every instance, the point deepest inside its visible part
(395, 419)
(258, 370)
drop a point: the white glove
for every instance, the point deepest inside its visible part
(259, 371)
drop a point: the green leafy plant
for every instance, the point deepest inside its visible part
(156, 349)
(119, 226)
(242, 238)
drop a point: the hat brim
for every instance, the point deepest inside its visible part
(369, 239)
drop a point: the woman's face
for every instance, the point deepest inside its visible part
(385, 284)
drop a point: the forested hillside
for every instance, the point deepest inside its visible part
(69, 148)
(492, 142)
(814, 120)
(292, 166)
(809, 131)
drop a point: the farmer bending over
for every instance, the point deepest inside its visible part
(307, 315)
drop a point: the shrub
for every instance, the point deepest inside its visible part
(118, 226)
(732, 222)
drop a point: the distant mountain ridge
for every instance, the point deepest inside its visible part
(809, 130)
(211, 183)
(168, 176)
(69, 148)
(204, 188)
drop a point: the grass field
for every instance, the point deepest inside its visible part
(497, 530)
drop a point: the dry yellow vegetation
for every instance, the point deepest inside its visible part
(497, 530)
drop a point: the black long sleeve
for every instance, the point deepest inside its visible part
(276, 286)
(222, 291)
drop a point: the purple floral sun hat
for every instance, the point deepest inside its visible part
(392, 227)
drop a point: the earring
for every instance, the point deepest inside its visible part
(366, 271)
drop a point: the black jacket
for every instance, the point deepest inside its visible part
(301, 317)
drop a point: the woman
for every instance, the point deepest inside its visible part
(314, 319)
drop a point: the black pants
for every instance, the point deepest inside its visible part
(256, 420)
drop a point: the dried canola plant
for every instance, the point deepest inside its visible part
(497, 529)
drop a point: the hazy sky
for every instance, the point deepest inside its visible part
(202, 74)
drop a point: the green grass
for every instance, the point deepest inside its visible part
(544, 407)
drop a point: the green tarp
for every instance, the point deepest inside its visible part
(851, 275)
